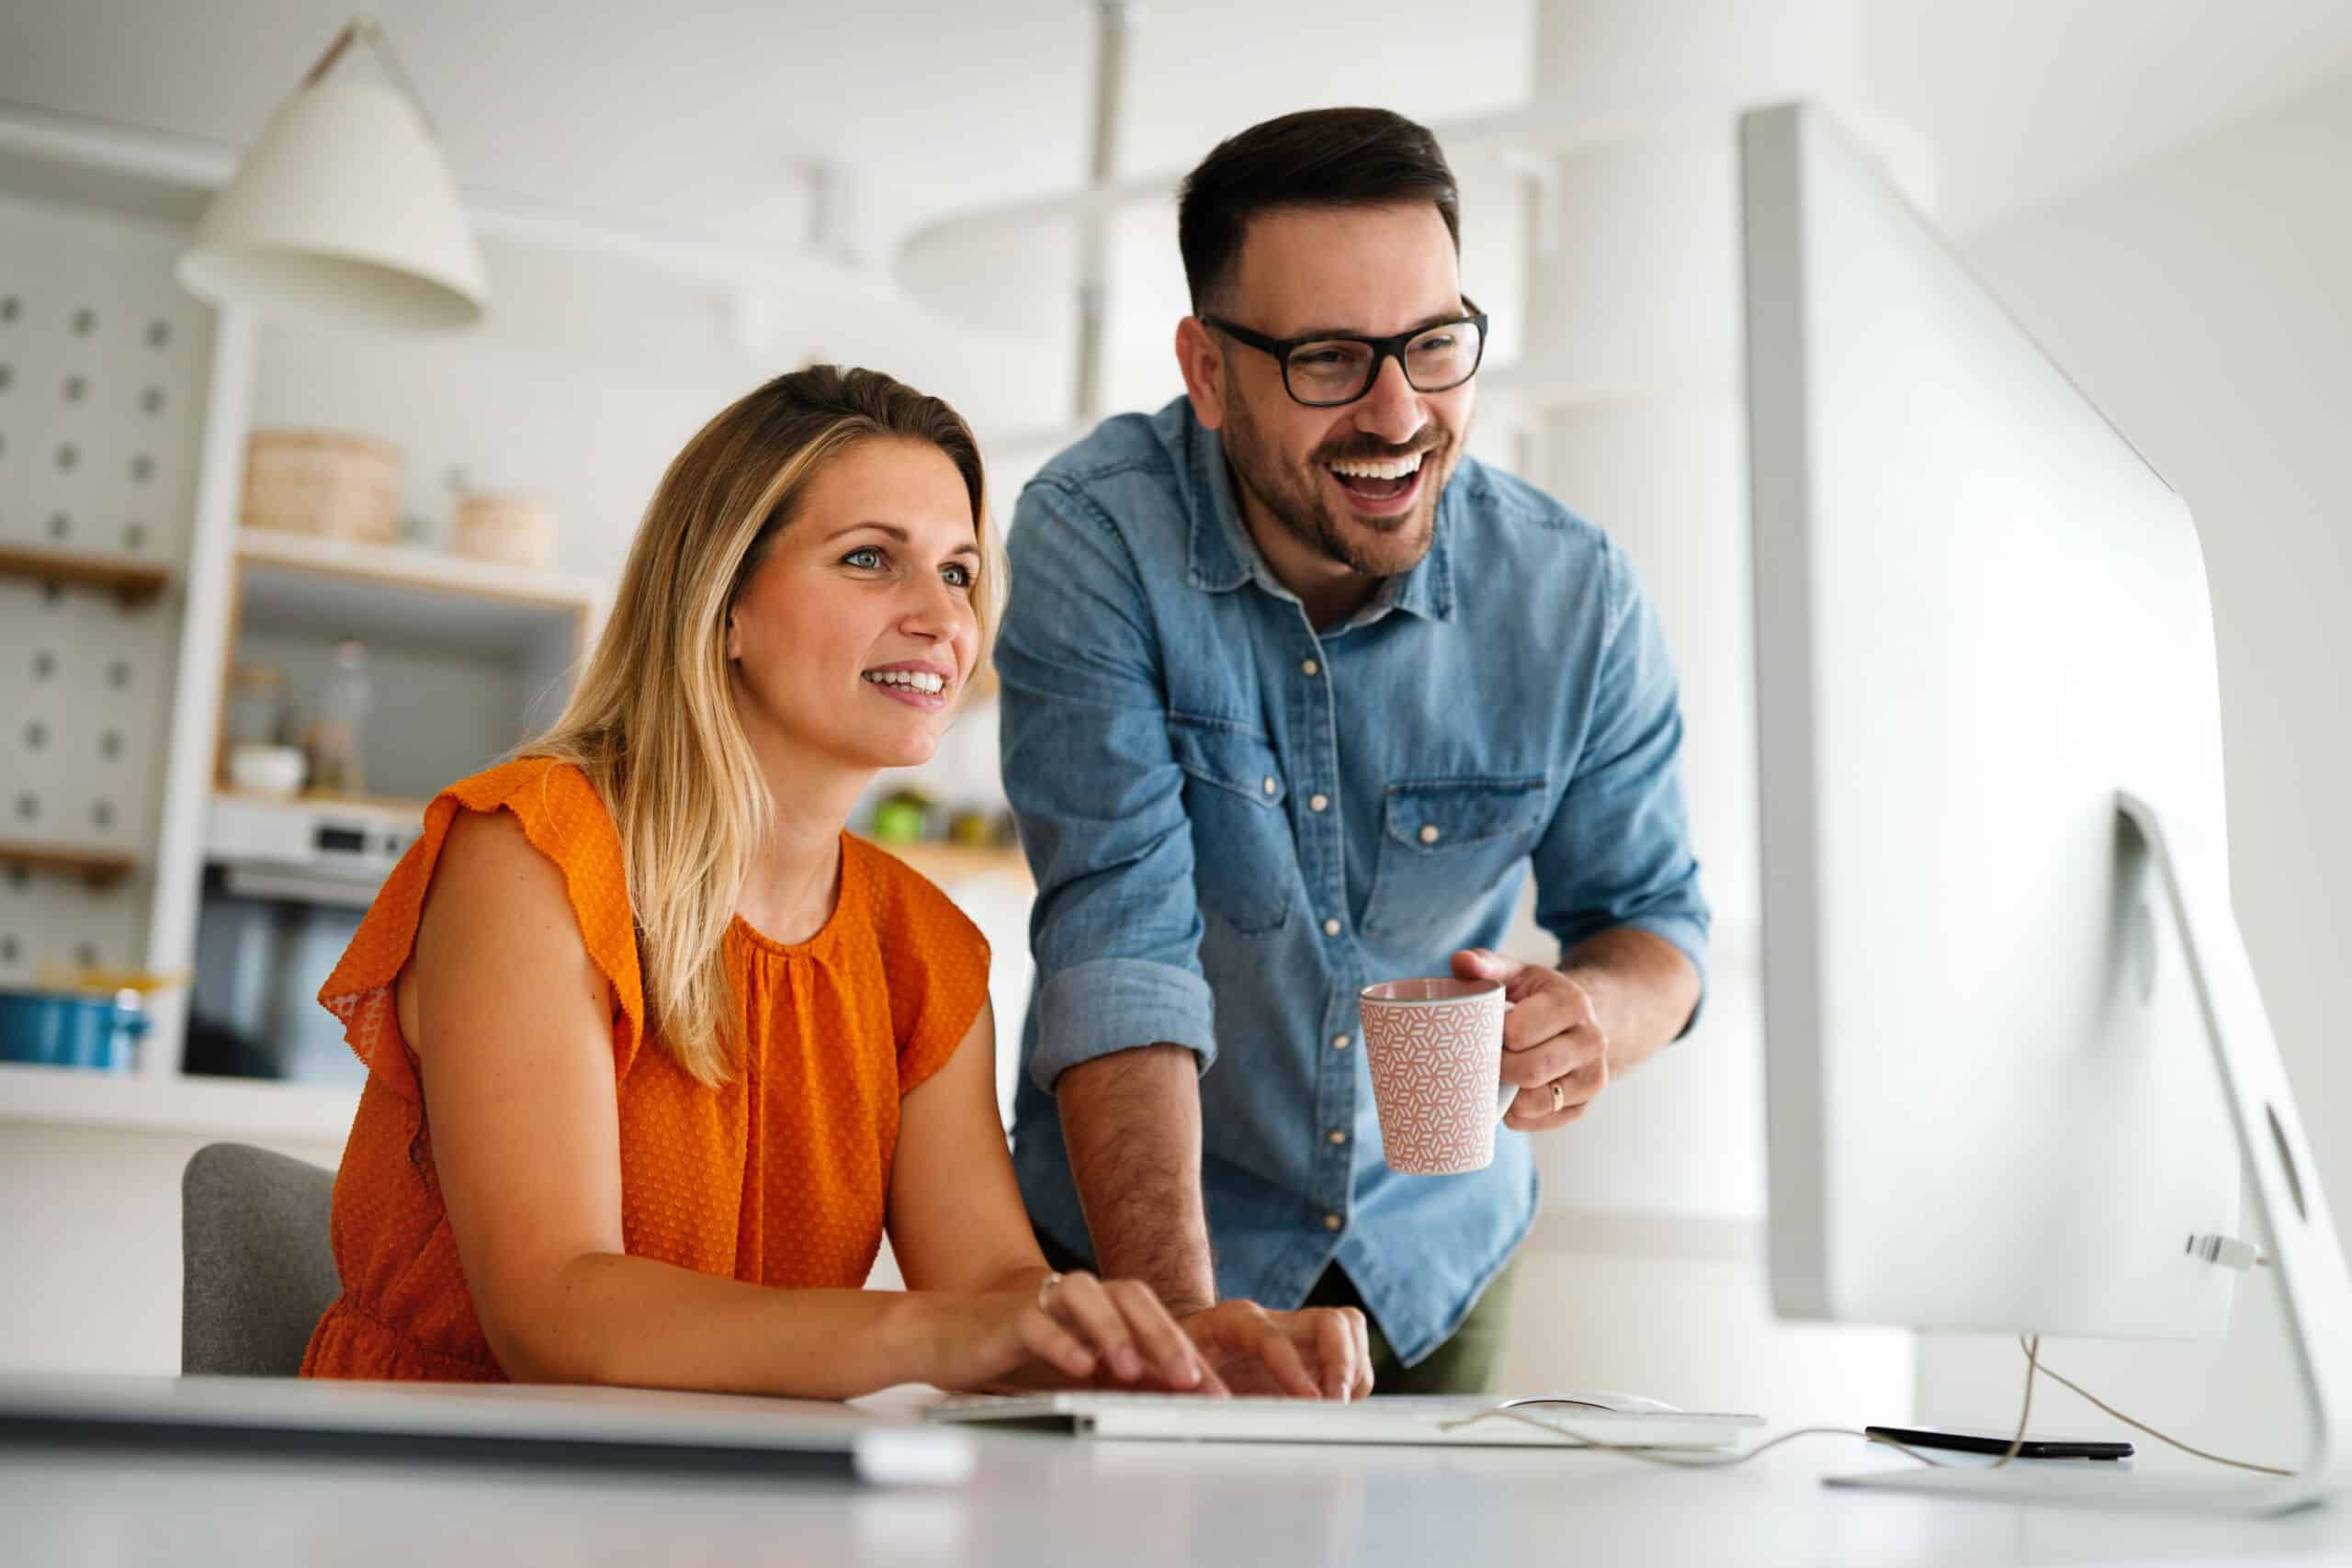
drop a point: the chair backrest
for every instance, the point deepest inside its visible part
(257, 1269)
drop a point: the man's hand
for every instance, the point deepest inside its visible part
(1554, 1046)
(1319, 1353)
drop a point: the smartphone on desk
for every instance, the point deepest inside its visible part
(1998, 1443)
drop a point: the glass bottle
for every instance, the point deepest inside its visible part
(338, 764)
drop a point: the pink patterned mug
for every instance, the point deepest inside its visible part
(1435, 1048)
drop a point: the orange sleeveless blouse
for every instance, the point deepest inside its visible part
(778, 1177)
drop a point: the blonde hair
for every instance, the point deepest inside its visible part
(652, 722)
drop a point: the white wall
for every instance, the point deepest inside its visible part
(1678, 1309)
(2205, 303)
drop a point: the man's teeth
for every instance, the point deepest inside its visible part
(913, 680)
(1378, 467)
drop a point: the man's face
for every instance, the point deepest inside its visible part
(1368, 271)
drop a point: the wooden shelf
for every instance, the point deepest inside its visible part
(945, 863)
(132, 582)
(409, 566)
(948, 865)
(190, 1104)
(102, 867)
(333, 588)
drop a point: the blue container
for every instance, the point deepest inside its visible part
(63, 1029)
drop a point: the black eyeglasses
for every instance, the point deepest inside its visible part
(1324, 372)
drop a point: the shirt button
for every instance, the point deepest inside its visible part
(1269, 787)
(1340, 1043)
(1330, 927)
(1330, 1222)
(1317, 802)
(1338, 1136)
(1309, 668)
(1428, 832)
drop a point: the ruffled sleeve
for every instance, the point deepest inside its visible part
(565, 819)
(934, 960)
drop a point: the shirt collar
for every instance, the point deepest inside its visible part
(1224, 555)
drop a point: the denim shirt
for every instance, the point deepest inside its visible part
(1236, 821)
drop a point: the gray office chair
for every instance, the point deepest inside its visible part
(256, 1266)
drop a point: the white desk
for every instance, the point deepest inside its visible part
(1042, 1500)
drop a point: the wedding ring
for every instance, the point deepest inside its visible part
(1045, 1289)
(1559, 1099)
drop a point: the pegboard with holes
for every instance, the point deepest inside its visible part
(103, 366)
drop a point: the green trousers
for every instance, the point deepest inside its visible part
(1466, 1363)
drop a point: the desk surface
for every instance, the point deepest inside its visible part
(1040, 1500)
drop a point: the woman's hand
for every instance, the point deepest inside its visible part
(1317, 1353)
(1072, 1329)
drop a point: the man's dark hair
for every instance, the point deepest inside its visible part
(1353, 157)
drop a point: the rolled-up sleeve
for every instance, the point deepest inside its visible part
(1617, 853)
(1097, 793)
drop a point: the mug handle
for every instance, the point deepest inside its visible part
(1506, 1092)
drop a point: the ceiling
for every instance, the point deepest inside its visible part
(701, 118)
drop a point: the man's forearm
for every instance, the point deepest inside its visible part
(1642, 987)
(1132, 1123)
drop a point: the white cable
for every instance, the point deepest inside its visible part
(2033, 1364)
(1678, 1461)
(2026, 1409)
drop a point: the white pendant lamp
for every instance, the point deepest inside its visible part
(343, 209)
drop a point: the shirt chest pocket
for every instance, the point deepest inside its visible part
(1243, 860)
(1445, 842)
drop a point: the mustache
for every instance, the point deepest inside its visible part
(1368, 450)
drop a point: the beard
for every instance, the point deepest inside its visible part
(1295, 497)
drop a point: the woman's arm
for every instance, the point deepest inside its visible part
(511, 1022)
(958, 1224)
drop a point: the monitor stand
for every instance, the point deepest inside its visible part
(2313, 1285)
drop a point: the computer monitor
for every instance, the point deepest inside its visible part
(2000, 970)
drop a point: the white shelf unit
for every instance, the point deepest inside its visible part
(469, 601)
(467, 659)
(237, 586)
(293, 586)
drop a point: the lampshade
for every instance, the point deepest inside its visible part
(342, 209)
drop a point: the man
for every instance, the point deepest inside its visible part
(1294, 692)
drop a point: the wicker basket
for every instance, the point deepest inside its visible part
(518, 530)
(341, 486)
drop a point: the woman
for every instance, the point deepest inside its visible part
(656, 1051)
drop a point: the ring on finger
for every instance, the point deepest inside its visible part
(1045, 1291)
(1559, 1096)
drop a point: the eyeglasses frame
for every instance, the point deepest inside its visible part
(1383, 350)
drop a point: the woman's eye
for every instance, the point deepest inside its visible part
(866, 558)
(958, 575)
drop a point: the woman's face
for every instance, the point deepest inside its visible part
(852, 639)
